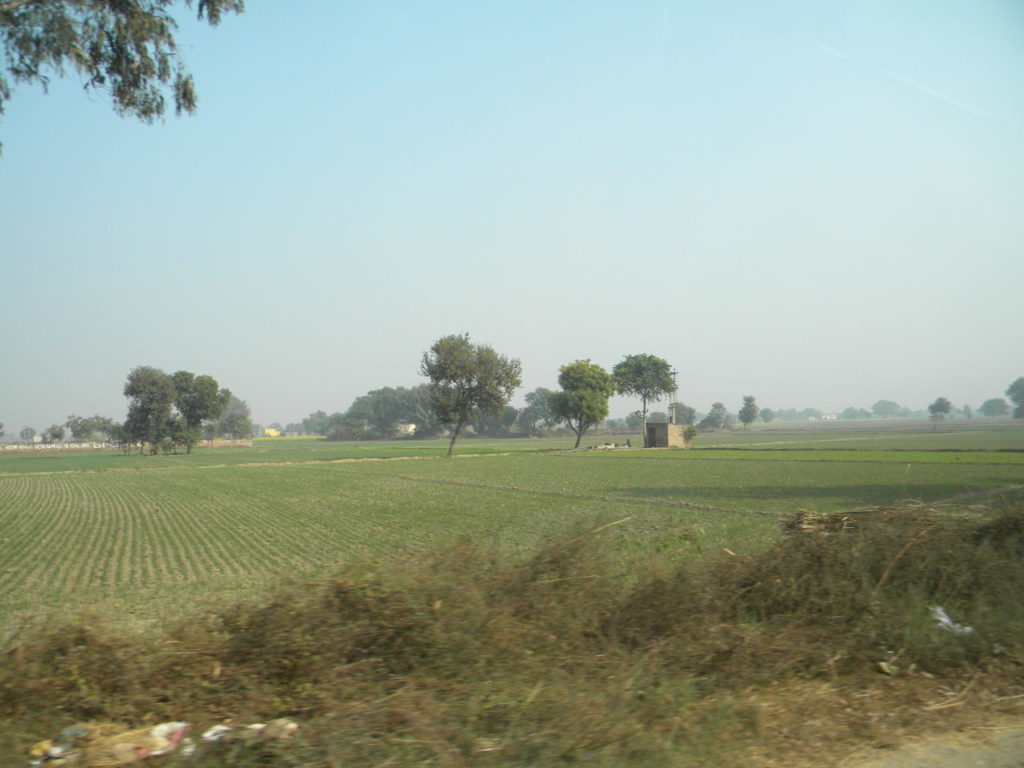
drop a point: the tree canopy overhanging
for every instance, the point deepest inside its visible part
(124, 47)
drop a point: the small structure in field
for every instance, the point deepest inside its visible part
(666, 436)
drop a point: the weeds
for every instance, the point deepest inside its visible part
(459, 656)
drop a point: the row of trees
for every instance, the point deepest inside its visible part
(470, 385)
(382, 413)
(469, 381)
(997, 406)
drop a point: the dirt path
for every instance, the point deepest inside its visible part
(995, 748)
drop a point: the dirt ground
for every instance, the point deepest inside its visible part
(903, 722)
(994, 747)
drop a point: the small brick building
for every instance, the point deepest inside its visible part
(665, 436)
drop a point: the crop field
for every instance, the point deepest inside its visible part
(152, 536)
(521, 603)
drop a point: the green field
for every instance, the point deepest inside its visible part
(520, 604)
(151, 536)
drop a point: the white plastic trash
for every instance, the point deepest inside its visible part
(944, 622)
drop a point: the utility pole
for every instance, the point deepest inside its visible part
(672, 398)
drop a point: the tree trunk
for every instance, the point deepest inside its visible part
(455, 436)
(579, 436)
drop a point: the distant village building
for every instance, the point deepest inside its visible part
(271, 432)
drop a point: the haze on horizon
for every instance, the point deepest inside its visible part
(816, 204)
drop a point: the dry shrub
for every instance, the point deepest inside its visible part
(458, 657)
(840, 593)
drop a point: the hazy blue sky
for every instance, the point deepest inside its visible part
(820, 204)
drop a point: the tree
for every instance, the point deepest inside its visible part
(644, 376)
(583, 399)
(54, 434)
(966, 411)
(994, 408)
(537, 414)
(1, 429)
(85, 428)
(937, 411)
(886, 409)
(235, 420)
(767, 415)
(381, 413)
(388, 407)
(151, 393)
(496, 426)
(1016, 393)
(748, 413)
(81, 428)
(316, 424)
(421, 412)
(198, 399)
(854, 413)
(26, 434)
(685, 414)
(467, 380)
(126, 48)
(718, 415)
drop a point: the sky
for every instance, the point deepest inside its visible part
(820, 204)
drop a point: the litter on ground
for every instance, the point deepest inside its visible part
(108, 745)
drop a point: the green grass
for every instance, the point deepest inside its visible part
(884, 435)
(151, 534)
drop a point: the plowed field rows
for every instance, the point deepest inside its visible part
(158, 540)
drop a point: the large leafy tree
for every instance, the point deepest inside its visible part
(85, 428)
(716, 418)
(151, 395)
(198, 399)
(749, 410)
(684, 414)
(236, 420)
(316, 423)
(421, 412)
(381, 412)
(54, 434)
(467, 380)
(583, 400)
(937, 411)
(386, 408)
(496, 426)
(123, 47)
(886, 409)
(644, 376)
(537, 414)
(994, 408)
(1016, 393)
